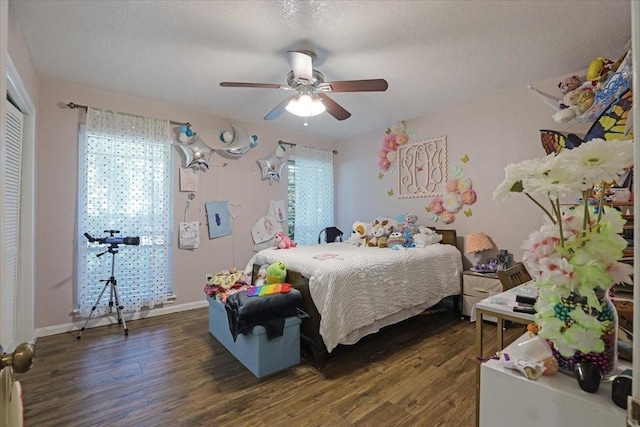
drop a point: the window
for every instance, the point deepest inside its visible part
(125, 184)
(310, 193)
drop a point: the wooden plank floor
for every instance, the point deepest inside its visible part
(170, 371)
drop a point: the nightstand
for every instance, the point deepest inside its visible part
(476, 287)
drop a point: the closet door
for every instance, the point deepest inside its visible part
(10, 172)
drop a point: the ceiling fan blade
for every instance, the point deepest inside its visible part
(372, 85)
(301, 64)
(279, 109)
(334, 108)
(257, 85)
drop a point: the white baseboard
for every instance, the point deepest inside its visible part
(108, 320)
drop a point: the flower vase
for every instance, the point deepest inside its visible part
(606, 360)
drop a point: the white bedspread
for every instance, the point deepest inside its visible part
(353, 287)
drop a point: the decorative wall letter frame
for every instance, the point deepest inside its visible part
(422, 168)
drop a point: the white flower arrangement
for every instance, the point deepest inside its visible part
(577, 251)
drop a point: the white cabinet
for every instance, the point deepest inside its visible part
(507, 398)
(476, 287)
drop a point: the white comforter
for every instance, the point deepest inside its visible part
(353, 287)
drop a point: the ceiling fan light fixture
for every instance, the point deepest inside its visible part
(305, 105)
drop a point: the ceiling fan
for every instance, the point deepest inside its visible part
(310, 89)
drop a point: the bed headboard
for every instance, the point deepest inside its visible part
(449, 237)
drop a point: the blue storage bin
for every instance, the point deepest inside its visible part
(258, 354)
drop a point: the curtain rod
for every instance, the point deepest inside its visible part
(293, 145)
(73, 106)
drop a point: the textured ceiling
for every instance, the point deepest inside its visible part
(434, 54)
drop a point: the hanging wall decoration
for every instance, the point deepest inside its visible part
(188, 180)
(219, 219)
(271, 166)
(239, 141)
(422, 168)
(189, 235)
(197, 153)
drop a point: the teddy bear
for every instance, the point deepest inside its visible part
(360, 234)
(283, 241)
(577, 102)
(569, 84)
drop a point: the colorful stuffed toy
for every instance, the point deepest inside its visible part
(284, 242)
(276, 273)
(396, 240)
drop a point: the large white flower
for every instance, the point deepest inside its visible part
(555, 182)
(600, 160)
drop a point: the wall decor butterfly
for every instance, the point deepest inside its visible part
(612, 124)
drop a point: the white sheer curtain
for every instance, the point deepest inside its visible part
(125, 183)
(314, 193)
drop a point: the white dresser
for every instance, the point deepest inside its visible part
(507, 398)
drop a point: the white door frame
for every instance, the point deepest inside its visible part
(25, 302)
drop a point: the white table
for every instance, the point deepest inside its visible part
(507, 398)
(499, 306)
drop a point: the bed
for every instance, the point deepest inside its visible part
(350, 292)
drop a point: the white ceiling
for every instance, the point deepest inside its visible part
(434, 54)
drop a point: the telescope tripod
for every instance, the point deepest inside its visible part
(113, 294)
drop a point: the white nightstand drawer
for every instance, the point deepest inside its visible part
(480, 286)
(467, 306)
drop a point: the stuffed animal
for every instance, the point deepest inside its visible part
(425, 237)
(599, 71)
(262, 274)
(360, 234)
(276, 273)
(396, 240)
(284, 242)
(577, 102)
(379, 233)
(569, 84)
(410, 222)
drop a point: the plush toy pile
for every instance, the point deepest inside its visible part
(396, 233)
(580, 95)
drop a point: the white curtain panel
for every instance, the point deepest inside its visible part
(314, 193)
(126, 184)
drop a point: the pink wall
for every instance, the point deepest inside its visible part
(17, 49)
(56, 192)
(493, 132)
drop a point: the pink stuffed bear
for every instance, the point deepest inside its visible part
(284, 242)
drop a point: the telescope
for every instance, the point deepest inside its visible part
(111, 240)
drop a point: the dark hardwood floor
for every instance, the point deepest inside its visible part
(170, 371)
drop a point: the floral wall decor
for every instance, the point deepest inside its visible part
(458, 193)
(422, 168)
(395, 137)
